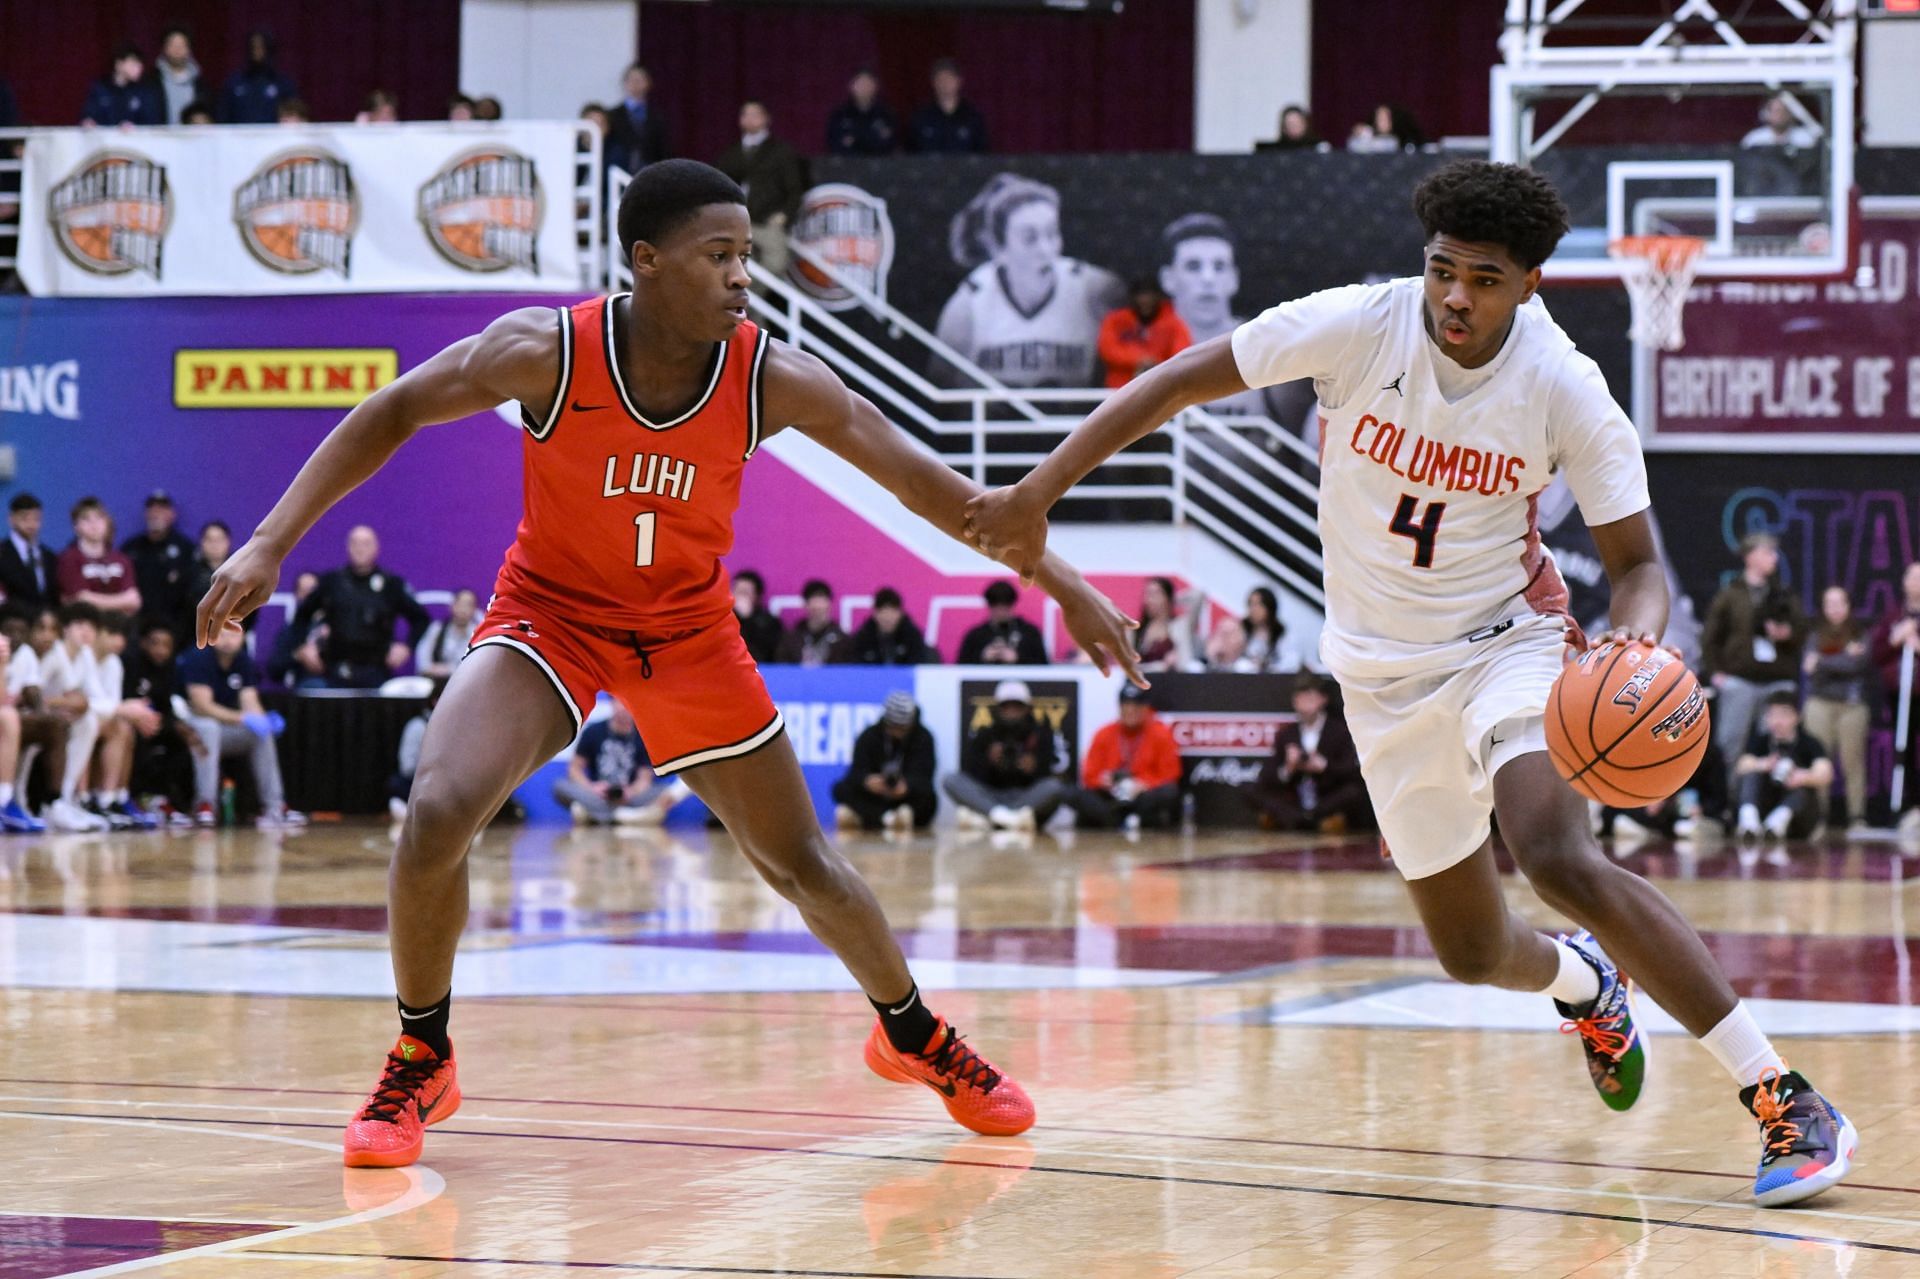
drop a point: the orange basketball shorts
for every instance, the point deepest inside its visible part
(696, 698)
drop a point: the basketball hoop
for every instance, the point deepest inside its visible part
(1657, 270)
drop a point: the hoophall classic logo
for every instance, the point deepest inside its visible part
(849, 228)
(483, 211)
(110, 215)
(297, 213)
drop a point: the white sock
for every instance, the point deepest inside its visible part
(1749, 815)
(1740, 1046)
(6, 794)
(116, 797)
(1576, 984)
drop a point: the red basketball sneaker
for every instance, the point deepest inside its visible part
(416, 1089)
(975, 1094)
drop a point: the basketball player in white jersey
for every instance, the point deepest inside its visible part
(1450, 400)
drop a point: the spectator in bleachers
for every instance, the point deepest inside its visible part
(1159, 640)
(29, 571)
(124, 95)
(1784, 773)
(610, 779)
(381, 107)
(407, 758)
(773, 175)
(67, 684)
(889, 782)
(596, 115)
(284, 664)
(123, 722)
(1131, 775)
(1840, 672)
(90, 570)
(1223, 650)
(223, 697)
(758, 627)
(361, 605)
(1391, 128)
(460, 110)
(446, 640)
(487, 107)
(1005, 637)
(1267, 648)
(1896, 640)
(162, 560)
(177, 74)
(1296, 133)
(863, 124)
(638, 132)
(1145, 332)
(1009, 767)
(1779, 127)
(818, 639)
(1311, 782)
(949, 124)
(216, 544)
(197, 112)
(254, 93)
(1750, 644)
(162, 759)
(889, 637)
(294, 111)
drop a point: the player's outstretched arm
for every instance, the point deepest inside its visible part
(517, 357)
(1010, 524)
(803, 393)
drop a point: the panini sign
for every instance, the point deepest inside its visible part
(319, 378)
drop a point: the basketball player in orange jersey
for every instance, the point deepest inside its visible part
(640, 411)
(1448, 402)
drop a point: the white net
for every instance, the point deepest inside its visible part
(1658, 270)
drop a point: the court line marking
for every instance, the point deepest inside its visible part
(643, 1267)
(425, 1185)
(1470, 1183)
(138, 1216)
(917, 1124)
(1330, 1192)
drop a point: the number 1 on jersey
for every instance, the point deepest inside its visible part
(643, 539)
(1423, 533)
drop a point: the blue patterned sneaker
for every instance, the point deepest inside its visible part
(15, 819)
(1806, 1144)
(1616, 1050)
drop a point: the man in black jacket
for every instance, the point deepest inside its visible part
(636, 131)
(1009, 768)
(774, 177)
(1311, 782)
(27, 569)
(889, 784)
(360, 604)
(863, 124)
(758, 627)
(162, 566)
(889, 637)
(1003, 637)
(949, 124)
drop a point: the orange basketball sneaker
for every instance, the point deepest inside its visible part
(974, 1093)
(416, 1089)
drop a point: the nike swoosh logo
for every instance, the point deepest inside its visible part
(578, 407)
(948, 1089)
(902, 1008)
(429, 1109)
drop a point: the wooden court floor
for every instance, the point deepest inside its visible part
(1245, 1063)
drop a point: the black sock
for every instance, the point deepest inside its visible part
(429, 1024)
(908, 1021)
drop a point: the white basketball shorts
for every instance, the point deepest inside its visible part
(1433, 727)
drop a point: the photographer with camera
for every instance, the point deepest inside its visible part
(1131, 776)
(1785, 774)
(889, 784)
(609, 778)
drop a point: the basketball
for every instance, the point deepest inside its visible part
(1627, 724)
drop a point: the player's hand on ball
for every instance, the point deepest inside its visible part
(1006, 525)
(240, 586)
(1621, 635)
(1102, 631)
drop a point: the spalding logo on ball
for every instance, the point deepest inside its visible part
(1627, 724)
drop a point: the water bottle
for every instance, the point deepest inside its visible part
(1187, 807)
(228, 797)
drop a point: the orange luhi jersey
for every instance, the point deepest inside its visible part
(625, 520)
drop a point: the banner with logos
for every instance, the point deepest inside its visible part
(309, 209)
(1785, 364)
(1224, 726)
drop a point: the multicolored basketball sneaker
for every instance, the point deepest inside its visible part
(975, 1094)
(416, 1089)
(1616, 1050)
(1806, 1144)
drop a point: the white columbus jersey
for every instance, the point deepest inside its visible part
(1055, 344)
(1429, 509)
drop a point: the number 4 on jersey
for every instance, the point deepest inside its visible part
(1423, 533)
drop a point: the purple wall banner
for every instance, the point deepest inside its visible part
(1782, 365)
